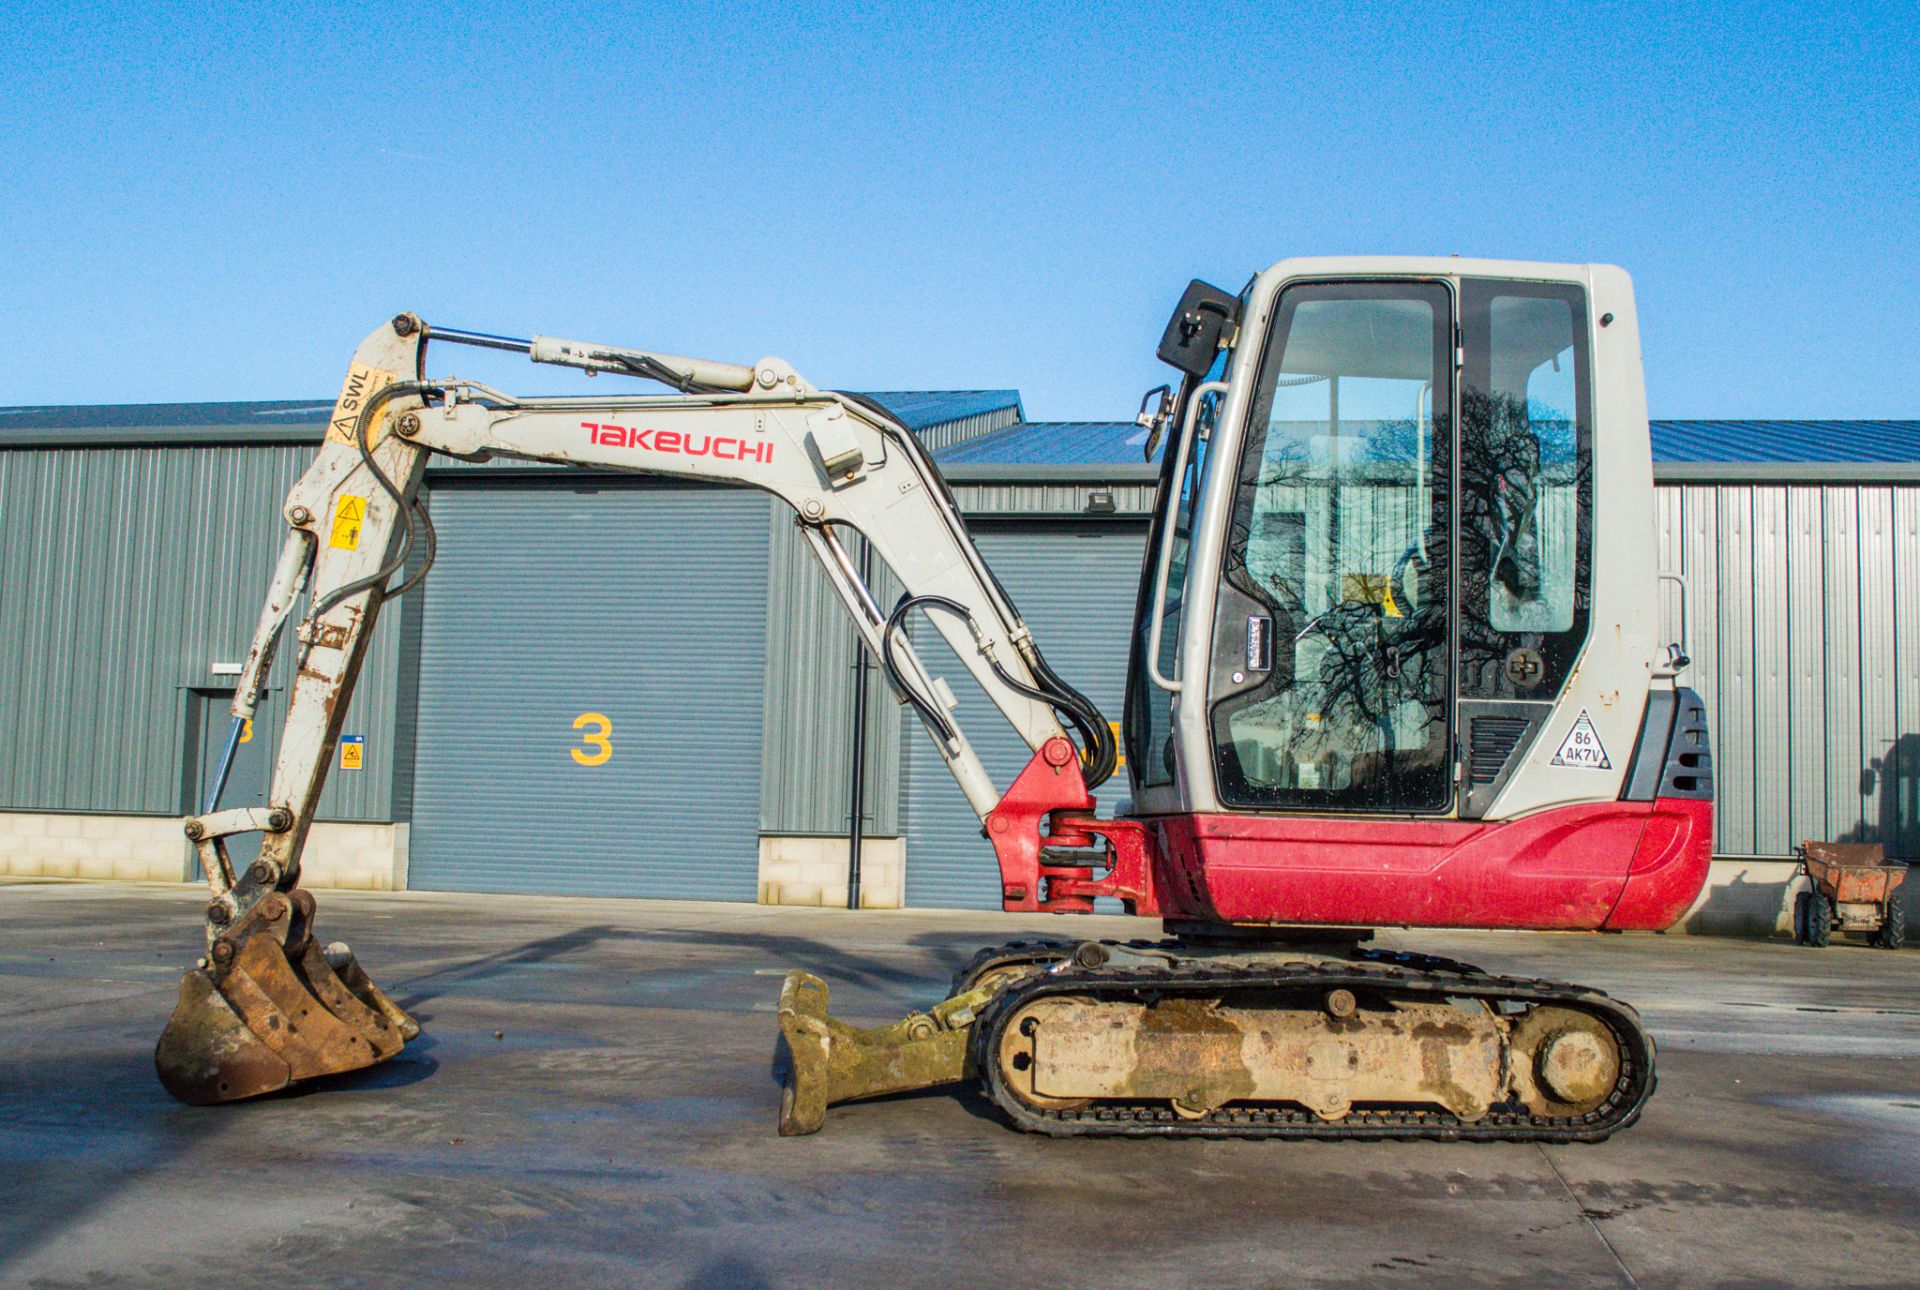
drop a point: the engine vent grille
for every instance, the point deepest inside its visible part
(1491, 744)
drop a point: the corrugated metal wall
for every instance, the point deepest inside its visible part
(1803, 621)
(124, 574)
(985, 500)
(806, 761)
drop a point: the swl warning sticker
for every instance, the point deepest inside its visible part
(349, 513)
(362, 384)
(1582, 746)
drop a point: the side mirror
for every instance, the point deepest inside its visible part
(1156, 420)
(1192, 338)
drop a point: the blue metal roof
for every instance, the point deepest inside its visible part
(1065, 443)
(1052, 443)
(1786, 442)
(921, 409)
(305, 420)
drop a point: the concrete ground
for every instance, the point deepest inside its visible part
(593, 1102)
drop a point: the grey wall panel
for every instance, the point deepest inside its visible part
(1806, 644)
(1806, 783)
(1668, 526)
(1074, 584)
(1879, 717)
(1906, 611)
(811, 651)
(124, 574)
(1699, 546)
(1734, 689)
(643, 604)
(1018, 499)
(1772, 695)
(1840, 561)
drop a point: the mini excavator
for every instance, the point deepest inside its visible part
(1380, 676)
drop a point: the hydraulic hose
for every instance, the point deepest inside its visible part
(654, 370)
(935, 718)
(1098, 752)
(411, 512)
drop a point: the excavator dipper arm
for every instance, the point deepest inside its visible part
(267, 1006)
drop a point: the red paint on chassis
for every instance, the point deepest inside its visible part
(1615, 865)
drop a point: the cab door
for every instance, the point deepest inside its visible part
(1333, 663)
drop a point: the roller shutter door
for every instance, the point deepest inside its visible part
(591, 672)
(1075, 584)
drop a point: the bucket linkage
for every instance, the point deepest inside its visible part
(268, 1006)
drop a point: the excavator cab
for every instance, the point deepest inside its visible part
(1377, 675)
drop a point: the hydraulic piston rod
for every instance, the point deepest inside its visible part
(479, 339)
(592, 357)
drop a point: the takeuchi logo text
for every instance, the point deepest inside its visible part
(673, 441)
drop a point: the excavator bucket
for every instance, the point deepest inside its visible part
(269, 1007)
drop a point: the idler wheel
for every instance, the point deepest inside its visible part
(1576, 1066)
(1565, 1062)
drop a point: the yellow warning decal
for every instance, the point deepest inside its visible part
(362, 383)
(353, 752)
(1370, 589)
(349, 516)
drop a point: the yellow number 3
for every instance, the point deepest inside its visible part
(599, 740)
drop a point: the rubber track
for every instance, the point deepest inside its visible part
(1505, 1123)
(1052, 950)
(1040, 951)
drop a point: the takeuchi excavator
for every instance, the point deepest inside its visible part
(1396, 663)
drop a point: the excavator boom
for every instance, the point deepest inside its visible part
(355, 520)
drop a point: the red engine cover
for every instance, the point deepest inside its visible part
(1607, 864)
(1612, 865)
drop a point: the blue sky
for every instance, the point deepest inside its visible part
(218, 201)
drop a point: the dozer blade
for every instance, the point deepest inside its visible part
(830, 1061)
(262, 1015)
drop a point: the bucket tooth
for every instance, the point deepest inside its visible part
(355, 978)
(274, 1015)
(830, 1061)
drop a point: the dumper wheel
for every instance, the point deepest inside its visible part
(1819, 920)
(1893, 932)
(1800, 903)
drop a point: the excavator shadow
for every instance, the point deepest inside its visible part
(848, 968)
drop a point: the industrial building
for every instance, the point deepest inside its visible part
(624, 686)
